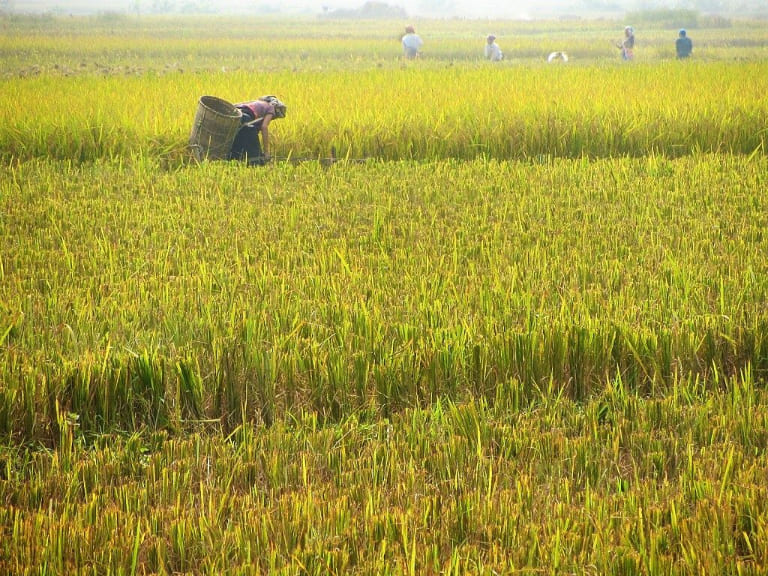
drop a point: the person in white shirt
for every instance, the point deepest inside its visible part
(492, 50)
(557, 57)
(412, 43)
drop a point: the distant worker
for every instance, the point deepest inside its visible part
(492, 50)
(557, 57)
(257, 115)
(683, 45)
(627, 46)
(412, 43)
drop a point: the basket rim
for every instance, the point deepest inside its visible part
(220, 106)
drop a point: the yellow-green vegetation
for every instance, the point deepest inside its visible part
(619, 484)
(424, 114)
(527, 335)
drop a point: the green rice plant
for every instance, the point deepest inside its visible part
(508, 287)
(534, 511)
(537, 345)
(528, 113)
(190, 391)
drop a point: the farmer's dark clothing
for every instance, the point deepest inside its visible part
(247, 145)
(684, 46)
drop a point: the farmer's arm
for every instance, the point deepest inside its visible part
(265, 135)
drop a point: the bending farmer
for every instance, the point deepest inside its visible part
(257, 116)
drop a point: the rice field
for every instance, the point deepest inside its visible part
(524, 331)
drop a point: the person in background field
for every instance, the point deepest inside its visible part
(557, 57)
(257, 115)
(627, 46)
(412, 43)
(492, 50)
(683, 45)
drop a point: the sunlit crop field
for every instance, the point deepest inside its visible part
(517, 324)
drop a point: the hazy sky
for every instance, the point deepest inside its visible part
(435, 8)
(463, 8)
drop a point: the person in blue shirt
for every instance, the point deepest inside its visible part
(683, 45)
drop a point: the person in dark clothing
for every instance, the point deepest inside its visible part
(683, 45)
(627, 46)
(256, 118)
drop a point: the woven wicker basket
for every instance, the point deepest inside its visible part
(216, 125)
